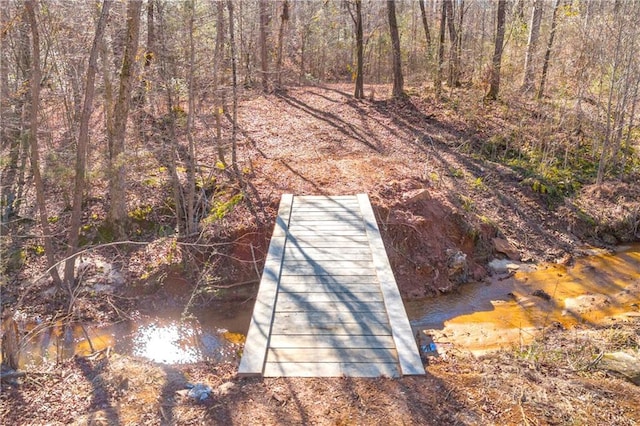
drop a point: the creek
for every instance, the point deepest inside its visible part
(511, 310)
(502, 312)
(214, 334)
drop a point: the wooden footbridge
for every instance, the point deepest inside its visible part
(328, 304)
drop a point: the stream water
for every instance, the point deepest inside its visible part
(212, 335)
(479, 317)
(597, 289)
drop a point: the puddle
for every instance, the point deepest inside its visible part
(213, 335)
(598, 289)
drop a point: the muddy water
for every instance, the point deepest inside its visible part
(214, 334)
(597, 289)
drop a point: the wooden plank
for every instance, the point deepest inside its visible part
(344, 317)
(327, 279)
(314, 270)
(338, 342)
(301, 198)
(328, 234)
(332, 328)
(323, 201)
(330, 306)
(324, 215)
(330, 255)
(255, 349)
(328, 287)
(312, 297)
(334, 241)
(332, 355)
(326, 264)
(285, 369)
(408, 355)
(325, 226)
(319, 204)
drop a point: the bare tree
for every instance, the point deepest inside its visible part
(441, 35)
(284, 19)
(398, 83)
(218, 57)
(547, 54)
(264, 53)
(191, 222)
(83, 144)
(117, 156)
(357, 21)
(425, 23)
(534, 34)
(234, 85)
(494, 87)
(452, 79)
(34, 84)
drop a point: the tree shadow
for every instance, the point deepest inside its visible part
(100, 394)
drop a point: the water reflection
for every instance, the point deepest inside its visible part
(171, 343)
(597, 289)
(213, 335)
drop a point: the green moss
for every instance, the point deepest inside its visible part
(140, 213)
(456, 173)
(15, 260)
(105, 234)
(221, 208)
(151, 182)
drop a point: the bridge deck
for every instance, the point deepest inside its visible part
(328, 304)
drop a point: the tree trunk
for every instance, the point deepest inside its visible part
(534, 34)
(218, 56)
(83, 144)
(264, 56)
(34, 83)
(459, 42)
(425, 23)
(547, 54)
(443, 23)
(357, 21)
(452, 79)
(284, 19)
(151, 35)
(191, 223)
(234, 85)
(117, 156)
(398, 83)
(494, 88)
(602, 163)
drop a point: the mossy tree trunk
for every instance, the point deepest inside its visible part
(117, 154)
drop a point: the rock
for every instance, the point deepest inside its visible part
(503, 265)
(503, 246)
(457, 265)
(478, 273)
(625, 363)
(198, 392)
(416, 195)
(224, 388)
(541, 294)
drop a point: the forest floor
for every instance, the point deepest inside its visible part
(443, 179)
